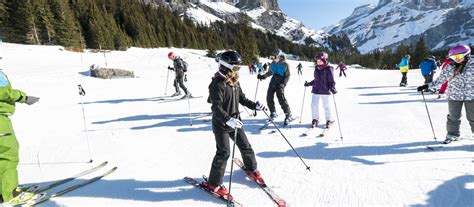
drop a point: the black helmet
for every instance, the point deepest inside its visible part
(230, 57)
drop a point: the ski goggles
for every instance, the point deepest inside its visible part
(457, 56)
(233, 68)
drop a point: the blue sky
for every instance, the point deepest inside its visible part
(316, 14)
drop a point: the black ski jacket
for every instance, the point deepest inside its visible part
(225, 100)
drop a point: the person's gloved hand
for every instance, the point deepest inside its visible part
(260, 77)
(333, 91)
(260, 107)
(170, 68)
(30, 100)
(306, 83)
(185, 78)
(234, 123)
(422, 88)
(282, 85)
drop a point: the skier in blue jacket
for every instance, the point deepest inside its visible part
(428, 67)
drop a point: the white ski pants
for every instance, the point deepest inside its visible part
(326, 105)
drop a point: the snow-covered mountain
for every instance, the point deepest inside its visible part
(443, 23)
(266, 16)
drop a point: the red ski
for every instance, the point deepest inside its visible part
(277, 199)
(197, 184)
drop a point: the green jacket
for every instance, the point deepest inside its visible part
(9, 96)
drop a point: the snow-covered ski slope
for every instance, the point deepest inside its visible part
(382, 160)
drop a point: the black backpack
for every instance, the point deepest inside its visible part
(184, 65)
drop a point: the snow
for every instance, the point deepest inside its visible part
(221, 7)
(255, 13)
(201, 16)
(381, 162)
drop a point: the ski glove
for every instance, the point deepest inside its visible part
(333, 91)
(422, 88)
(30, 100)
(306, 83)
(260, 107)
(234, 123)
(170, 68)
(260, 77)
(185, 78)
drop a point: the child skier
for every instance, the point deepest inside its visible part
(323, 86)
(343, 68)
(460, 74)
(225, 96)
(280, 70)
(404, 66)
(9, 145)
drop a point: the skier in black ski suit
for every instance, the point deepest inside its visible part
(280, 72)
(225, 95)
(179, 68)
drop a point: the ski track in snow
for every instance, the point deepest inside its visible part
(381, 162)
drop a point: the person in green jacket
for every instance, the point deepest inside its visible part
(8, 144)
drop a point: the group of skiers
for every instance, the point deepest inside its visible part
(225, 96)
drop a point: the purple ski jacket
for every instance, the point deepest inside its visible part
(323, 82)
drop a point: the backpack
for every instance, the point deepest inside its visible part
(184, 64)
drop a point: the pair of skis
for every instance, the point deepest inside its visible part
(322, 134)
(41, 190)
(277, 199)
(167, 100)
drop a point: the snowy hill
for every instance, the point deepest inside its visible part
(265, 14)
(382, 160)
(444, 23)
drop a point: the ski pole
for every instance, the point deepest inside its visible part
(82, 93)
(232, 163)
(167, 76)
(337, 115)
(429, 117)
(302, 105)
(281, 133)
(255, 98)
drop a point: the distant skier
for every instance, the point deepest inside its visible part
(280, 70)
(404, 66)
(343, 68)
(428, 67)
(179, 67)
(460, 74)
(9, 157)
(299, 67)
(225, 95)
(323, 86)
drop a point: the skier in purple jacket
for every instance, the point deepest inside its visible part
(323, 86)
(343, 68)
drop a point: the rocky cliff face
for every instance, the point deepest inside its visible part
(443, 23)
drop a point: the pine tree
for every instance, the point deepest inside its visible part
(66, 26)
(246, 41)
(420, 52)
(18, 25)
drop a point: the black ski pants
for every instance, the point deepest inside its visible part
(179, 83)
(280, 92)
(224, 151)
(342, 72)
(404, 78)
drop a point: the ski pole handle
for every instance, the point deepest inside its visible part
(82, 92)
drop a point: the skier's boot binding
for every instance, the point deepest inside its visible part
(329, 123)
(177, 93)
(273, 115)
(314, 123)
(288, 118)
(255, 175)
(219, 190)
(450, 138)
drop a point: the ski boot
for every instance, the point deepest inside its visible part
(219, 190)
(450, 138)
(177, 93)
(288, 119)
(256, 176)
(188, 95)
(329, 124)
(314, 123)
(21, 198)
(273, 115)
